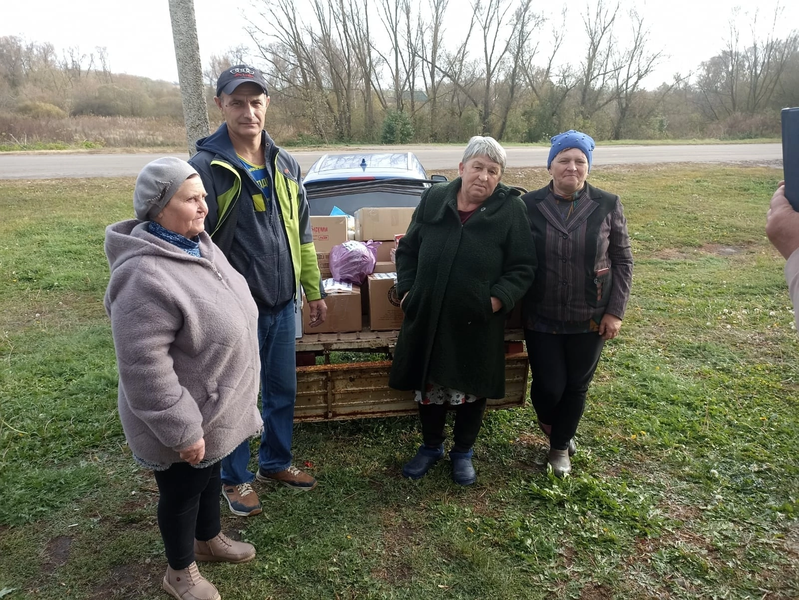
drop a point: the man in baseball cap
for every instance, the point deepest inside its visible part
(259, 217)
(233, 77)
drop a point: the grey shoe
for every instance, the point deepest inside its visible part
(559, 461)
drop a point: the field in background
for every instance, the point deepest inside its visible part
(686, 483)
(20, 133)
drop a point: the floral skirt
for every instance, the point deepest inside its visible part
(438, 394)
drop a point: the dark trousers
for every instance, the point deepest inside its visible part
(562, 366)
(188, 508)
(468, 420)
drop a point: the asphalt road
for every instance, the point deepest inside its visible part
(57, 165)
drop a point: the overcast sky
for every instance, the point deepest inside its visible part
(138, 35)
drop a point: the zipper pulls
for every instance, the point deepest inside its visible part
(218, 274)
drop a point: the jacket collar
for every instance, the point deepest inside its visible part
(220, 145)
(545, 201)
(443, 198)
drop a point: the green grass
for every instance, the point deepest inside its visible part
(686, 483)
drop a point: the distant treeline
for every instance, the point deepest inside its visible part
(379, 72)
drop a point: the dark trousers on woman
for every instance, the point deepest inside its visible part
(188, 508)
(562, 366)
(468, 420)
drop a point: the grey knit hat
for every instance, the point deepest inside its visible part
(157, 183)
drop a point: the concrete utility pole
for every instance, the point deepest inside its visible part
(190, 71)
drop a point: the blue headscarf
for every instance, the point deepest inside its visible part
(572, 139)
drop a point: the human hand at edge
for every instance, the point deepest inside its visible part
(609, 326)
(782, 223)
(317, 312)
(496, 304)
(194, 453)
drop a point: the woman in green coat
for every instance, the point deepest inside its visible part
(465, 261)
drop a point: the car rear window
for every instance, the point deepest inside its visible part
(350, 196)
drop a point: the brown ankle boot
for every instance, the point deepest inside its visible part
(223, 549)
(188, 584)
(559, 460)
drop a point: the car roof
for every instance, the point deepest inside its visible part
(365, 166)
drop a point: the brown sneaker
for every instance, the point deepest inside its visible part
(188, 584)
(291, 477)
(242, 500)
(223, 549)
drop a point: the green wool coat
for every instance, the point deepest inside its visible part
(449, 335)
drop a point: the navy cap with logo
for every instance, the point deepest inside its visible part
(233, 77)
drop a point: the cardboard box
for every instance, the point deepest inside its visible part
(328, 231)
(384, 251)
(385, 313)
(343, 311)
(385, 267)
(323, 260)
(382, 223)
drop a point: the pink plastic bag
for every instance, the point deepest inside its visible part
(353, 261)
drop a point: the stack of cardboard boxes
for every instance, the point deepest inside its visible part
(376, 303)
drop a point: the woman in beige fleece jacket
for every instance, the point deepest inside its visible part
(184, 327)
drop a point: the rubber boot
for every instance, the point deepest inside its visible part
(547, 429)
(463, 472)
(559, 461)
(419, 465)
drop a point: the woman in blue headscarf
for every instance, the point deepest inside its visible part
(580, 291)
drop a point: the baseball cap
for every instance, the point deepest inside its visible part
(233, 77)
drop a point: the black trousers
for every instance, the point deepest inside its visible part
(188, 508)
(562, 366)
(468, 420)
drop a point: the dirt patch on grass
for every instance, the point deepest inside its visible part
(130, 581)
(532, 450)
(781, 582)
(595, 591)
(722, 250)
(670, 254)
(397, 538)
(673, 254)
(56, 553)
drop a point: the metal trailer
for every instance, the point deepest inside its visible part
(357, 390)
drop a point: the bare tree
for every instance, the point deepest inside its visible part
(105, 67)
(12, 69)
(744, 79)
(549, 86)
(309, 61)
(631, 67)
(428, 53)
(764, 63)
(524, 25)
(597, 69)
(362, 45)
(391, 15)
